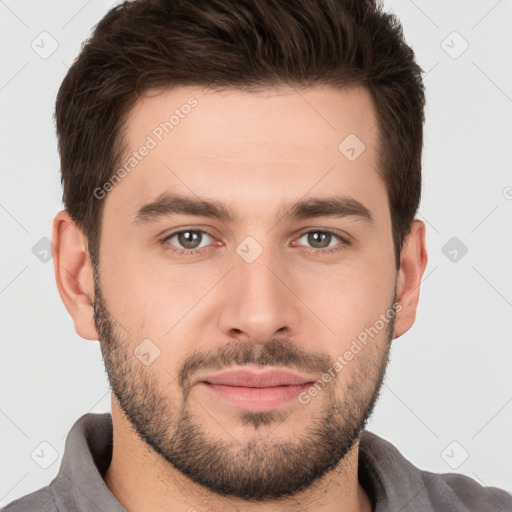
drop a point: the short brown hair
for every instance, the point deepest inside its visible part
(146, 44)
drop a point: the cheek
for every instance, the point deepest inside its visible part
(347, 297)
(154, 297)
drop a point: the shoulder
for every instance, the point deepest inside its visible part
(40, 501)
(464, 493)
(396, 484)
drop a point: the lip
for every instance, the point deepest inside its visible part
(255, 390)
(253, 378)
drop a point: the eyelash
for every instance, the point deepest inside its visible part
(310, 250)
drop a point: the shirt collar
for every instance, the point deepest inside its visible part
(392, 482)
(79, 485)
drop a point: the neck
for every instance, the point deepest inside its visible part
(141, 480)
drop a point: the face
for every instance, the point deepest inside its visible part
(244, 295)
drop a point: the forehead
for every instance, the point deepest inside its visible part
(221, 118)
(269, 145)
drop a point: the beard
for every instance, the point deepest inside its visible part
(262, 467)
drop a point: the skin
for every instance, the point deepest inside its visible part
(257, 153)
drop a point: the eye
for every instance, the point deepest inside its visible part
(322, 239)
(194, 241)
(190, 239)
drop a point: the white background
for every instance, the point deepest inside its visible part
(450, 376)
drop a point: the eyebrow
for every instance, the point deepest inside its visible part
(169, 204)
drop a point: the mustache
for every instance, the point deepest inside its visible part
(276, 352)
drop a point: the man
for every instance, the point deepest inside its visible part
(240, 186)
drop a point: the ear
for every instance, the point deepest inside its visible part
(73, 273)
(413, 260)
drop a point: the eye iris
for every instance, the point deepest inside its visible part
(319, 237)
(189, 239)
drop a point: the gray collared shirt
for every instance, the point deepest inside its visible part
(392, 482)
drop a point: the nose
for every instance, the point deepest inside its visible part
(258, 302)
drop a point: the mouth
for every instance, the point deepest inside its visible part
(257, 391)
